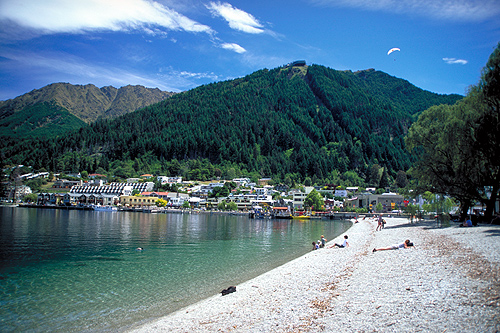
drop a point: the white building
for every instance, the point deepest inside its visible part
(17, 192)
(169, 180)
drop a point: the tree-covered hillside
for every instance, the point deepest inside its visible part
(294, 122)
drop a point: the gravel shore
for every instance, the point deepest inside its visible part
(448, 282)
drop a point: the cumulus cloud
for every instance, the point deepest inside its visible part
(233, 47)
(237, 18)
(60, 16)
(456, 10)
(453, 61)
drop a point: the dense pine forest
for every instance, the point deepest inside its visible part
(287, 123)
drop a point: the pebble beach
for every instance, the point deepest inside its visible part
(448, 282)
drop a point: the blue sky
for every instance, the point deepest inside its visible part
(176, 45)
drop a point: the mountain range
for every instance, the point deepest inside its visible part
(59, 107)
(289, 122)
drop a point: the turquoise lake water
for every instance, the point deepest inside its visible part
(80, 270)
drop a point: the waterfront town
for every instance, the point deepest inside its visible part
(140, 194)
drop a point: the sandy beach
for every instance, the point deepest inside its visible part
(448, 282)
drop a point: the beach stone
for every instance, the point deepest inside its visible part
(450, 281)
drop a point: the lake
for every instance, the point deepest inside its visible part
(80, 271)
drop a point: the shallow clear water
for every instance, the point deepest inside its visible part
(80, 270)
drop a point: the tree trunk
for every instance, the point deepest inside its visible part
(464, 208)
(490, 204)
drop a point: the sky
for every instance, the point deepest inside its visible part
(177, 45)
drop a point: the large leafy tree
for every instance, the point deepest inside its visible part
(488, 128)
(314, 201)
(457, 146)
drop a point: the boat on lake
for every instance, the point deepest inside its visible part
(100, 208)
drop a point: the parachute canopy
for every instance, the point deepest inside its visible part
(392, 50)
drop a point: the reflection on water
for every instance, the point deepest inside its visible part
(79, 270)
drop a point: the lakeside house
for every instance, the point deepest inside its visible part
(389, 201)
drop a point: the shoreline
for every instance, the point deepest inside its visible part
(448, 281)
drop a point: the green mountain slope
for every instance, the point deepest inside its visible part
(88, 103)
(39, 120)
(291, 121)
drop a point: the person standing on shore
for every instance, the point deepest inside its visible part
(406, 244)
(380, 223)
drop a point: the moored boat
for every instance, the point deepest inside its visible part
(100, 208)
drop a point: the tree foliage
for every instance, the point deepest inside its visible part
(328, 125)
(314, 201)
(457, 146)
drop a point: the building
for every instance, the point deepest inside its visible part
(137, 201)
(169, 180)
(300, 197)
(388, 201)
(241, 181)
(97, 176)
(64, 183)
(16, 192)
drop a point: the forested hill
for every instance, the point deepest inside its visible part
(58, 107)
(285, 122)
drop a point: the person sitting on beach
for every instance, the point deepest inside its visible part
(467, 223)
(344, 244)
(323, 241)
(315, 246)
(406, 244)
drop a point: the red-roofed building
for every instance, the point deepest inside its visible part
(96, 175)
(159, 195)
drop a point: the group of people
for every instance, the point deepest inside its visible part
(322, 242)
(380, 225)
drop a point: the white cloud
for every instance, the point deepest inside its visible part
(77, 16)
(237, 18)
(452, 61)
(233, 47)
(456, 10)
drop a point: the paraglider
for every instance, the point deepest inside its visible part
(392, 50)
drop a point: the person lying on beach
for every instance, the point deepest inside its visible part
(344, 244)
(404, 245)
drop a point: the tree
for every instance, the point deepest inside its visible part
(441, 140)
(374, 176)
(314, 201)
(488, 131)
(161, 202)
(401, 179)
(457, 146)
(384, 180)
(31, 197)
